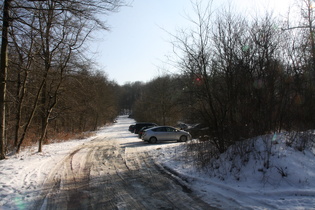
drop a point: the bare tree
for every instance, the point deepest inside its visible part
(3, 75)
(234, 71)
(300, 52)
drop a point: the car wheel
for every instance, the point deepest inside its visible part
(153, 140)
(183, 138)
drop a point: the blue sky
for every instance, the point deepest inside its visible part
(137, 46)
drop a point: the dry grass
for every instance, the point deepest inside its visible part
(33, 136)
(64, 136)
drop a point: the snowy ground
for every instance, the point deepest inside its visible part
(250, 186)
(289, 183)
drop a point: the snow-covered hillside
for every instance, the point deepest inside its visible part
(272, 172)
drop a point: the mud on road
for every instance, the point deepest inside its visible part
(114, 172)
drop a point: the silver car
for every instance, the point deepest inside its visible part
(160, 133)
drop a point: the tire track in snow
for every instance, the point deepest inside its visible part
(103, 174)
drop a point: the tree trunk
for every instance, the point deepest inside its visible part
(3, 76)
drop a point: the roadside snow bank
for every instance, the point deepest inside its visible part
(269, 172)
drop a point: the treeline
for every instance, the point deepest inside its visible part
(241, 77)
(48, 85)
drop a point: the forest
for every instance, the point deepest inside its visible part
(49, 87)
(241, 76)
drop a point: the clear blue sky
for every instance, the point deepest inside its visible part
(137, 45)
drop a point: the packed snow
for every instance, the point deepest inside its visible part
(230, 181)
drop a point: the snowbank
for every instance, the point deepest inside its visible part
(268, 172)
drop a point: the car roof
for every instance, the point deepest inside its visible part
(145, 123)
(162, 126)
(148, 126)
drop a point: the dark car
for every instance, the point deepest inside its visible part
(141, 131)
(181, 126)
(198, 130)
(131, 128)
(140, 125)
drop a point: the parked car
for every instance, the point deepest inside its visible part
(140, 125)
(198, 130)
(131, 128)
(181, 126)
(161, 133)
(142, 130)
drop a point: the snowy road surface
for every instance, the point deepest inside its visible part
(112, 171)
(108, 173)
